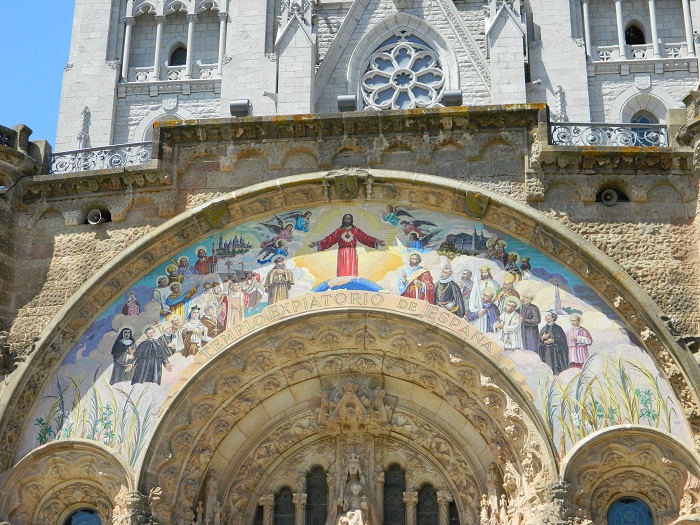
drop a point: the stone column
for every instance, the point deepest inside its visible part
(587, 27)
(129, 21)
(223, 19)
(268, 504)
(620, 30)
(688, 23)
(160, 21)
(191, 21)
(444, 497)
(411, 500)
(379, 493)
(299, 499)
(654, 31)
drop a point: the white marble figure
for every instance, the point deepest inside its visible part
(355, 503)
(355, 507)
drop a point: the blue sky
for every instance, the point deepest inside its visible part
(35, 44)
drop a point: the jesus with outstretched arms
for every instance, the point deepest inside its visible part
(347, 237)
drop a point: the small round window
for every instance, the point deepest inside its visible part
(403, 73)
(629, 511)
(83, 517)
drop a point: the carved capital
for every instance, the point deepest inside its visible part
(192, 18)
(223, 17)
(267, 500)
(444, 497)
(410, 498)
(129, 21)
(299, 499)
(160, 19)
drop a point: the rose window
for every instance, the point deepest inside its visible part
(404, 73)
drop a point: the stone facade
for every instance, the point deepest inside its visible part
(424, 315)
(239, 53)
(256, 399)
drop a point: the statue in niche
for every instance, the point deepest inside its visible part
(355, 503)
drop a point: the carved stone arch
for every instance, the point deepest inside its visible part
(641, 462)
(143, 7)
(60, 476)
(655, 99)
(172, 6)
(139, 133)
(489, 145)
(203, 5)
(552, 190)
(379, 33)
(641, 20)
(243, 430)
(306, 157)
(635, 193)
(664, 191)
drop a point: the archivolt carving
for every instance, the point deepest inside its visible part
(349, 399)
(638, 462)
(43, 485)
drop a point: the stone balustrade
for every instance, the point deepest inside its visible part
(601, 134)
(106, 157)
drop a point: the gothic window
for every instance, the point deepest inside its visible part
(427, 509)
(403, 73)
(394, 487)
(634, 36)
(178, 57)
(629, 511)
(284, 507)
(83, 517)
(316, 496)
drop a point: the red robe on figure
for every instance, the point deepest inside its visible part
(347, 239)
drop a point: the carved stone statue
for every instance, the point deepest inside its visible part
(355, 507)
(355, 503)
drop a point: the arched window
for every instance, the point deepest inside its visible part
(629, 511)
(83, 517)
(148, 136)
(644, 117)
(178, 57)
(316, 496)
(394, 487)
(284, 507)
(634, 36)
(427, 511)
(403, 73)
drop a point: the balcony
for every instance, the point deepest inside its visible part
(602, 134)
(639, 52)
(107, 157)
(674, 56)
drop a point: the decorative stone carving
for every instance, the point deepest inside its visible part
(7, 355)
(353, 407)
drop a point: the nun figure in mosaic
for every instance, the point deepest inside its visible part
(122, 351)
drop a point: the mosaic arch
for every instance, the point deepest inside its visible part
(585, 369)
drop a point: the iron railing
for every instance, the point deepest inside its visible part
(600, 134)
(117, 156)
